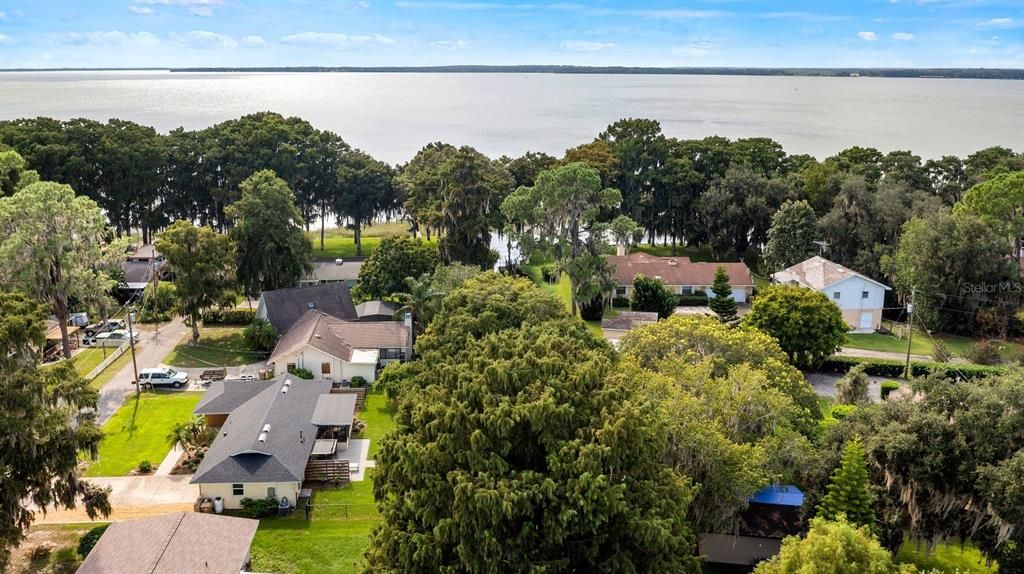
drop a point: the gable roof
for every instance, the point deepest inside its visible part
(676, 270)
(284, 307)
(225, 396)
(377, 310)
(174, 543)
(819, 273)
(340, 338)
(239, 455)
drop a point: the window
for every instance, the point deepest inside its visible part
(620, 290)
(290, 367)
(325, 368)
(237, 489)
(835, 295)
(387, 354)
(863, 294)
(686, 291)
(271, 492)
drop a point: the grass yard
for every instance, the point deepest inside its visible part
(62, 538)
(921, 344)
(562, 290)
(379, 415)
(340, 242)
(139, 431)
(218, 347)
(949, 557)
(111, 370)
(328, 543)
(697, 254)
(88, 359)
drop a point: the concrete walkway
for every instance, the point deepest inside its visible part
(152, 347)
(169, 461)
(134, 497)
(850, 352)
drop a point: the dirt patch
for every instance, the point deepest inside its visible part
(49, 549)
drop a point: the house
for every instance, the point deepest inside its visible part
(773, 514)
(615, 327)
(337, 271)
(335, 349)
(141, 265)
(859, 297)
(172, 544)
(377, 310)
(284, 307)
(269, 433)
(679, 274)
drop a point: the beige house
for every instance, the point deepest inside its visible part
(680, 275)
(859, 297)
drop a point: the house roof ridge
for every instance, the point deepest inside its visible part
(166, 542)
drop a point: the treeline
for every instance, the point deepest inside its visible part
(713, 195)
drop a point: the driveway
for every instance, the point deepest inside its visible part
(824, 385)
(134, 497)
(152, 347)
(849, 352)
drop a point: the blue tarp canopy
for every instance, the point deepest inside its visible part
(780, 495)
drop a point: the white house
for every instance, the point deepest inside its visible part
(859, 297)
(680, 275)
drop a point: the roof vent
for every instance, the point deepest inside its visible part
(339, 261)
(285, 390)
(673, 262)
(266, 427)
(263, 437)
(311, 305)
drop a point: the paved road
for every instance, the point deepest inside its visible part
(149, 351)
(849, 352)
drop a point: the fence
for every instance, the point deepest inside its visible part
(341, 511)
(113, 356)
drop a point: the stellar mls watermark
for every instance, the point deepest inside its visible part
(1001, 288)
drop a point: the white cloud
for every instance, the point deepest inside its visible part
(254, 41)
(335, 39)
(139, 9)
(449, 44)
(867, 36)
(1000, 23)
(6, 40)
(205, 40)
(903, 36)
(194, 7)
(585, 46)
(112, 37)
(202, 11)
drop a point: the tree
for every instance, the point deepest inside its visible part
(420, 299)
(808, 326)
(271, 251)
(421, 183)
(640, 149)
(650, 294)
(54, 246)
(47, 422)
(260, 334)
(543, 467)
(364, 191)
(722, 303)
(848, 493)
(853, 388)
(561, 214)
(14, 174)
(626, 232)
(736, 210)
(472, 188)
(524, 169)
(201, 260)
(598, 155)
(384, 271)
(837, 547)
(1000, 203)
(792, 236)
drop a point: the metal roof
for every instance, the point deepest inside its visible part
(334, 410)
(779, 495)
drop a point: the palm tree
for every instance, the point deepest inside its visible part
(420, 300)
(191, 434)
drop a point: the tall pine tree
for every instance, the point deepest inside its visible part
(848, 492)
(723, 303)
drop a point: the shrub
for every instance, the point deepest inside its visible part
(840, 412)
(89, 539)
(852, 389)
(695, 300)
(1018, 357)
(984, 352)
(358, 382)
(594, 310)
(940, 352)
(301, 373)
(895, 367)
(888, 387)
(550, 273)
(260, 335)
(145, 467)
(358, 425)
(229, 317)
(651, 295)
(158, 307)
(620, 302)
(259, 507)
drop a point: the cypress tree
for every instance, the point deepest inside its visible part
(723, 304)
(848, 491)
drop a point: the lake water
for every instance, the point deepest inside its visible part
(393, 115)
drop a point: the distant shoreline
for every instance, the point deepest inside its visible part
(951, 73)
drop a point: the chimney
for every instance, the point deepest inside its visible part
(620, 249)
(408, 325)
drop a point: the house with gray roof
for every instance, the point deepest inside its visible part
(284, 307)
(269, 435)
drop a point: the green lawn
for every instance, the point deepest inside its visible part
(949, 557)
(694, 253)
(921, 344)
(88, 359)
(328, 543)
(562, 290)
(339, 242)
(217, 347)
(140, 431)
(111, 370)
(379, 415)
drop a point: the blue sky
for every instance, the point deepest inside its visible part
(174, 33)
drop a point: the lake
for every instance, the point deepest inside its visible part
(392, 115)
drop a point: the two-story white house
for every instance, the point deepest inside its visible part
(858, 296)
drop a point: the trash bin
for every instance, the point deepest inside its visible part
(218, 505)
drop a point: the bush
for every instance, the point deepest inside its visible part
(260, 335)
(160, 307)
(358, 425)
(358, 382)
(840, 412)
(940, 352)
(229, 317)
(888, 387)
(852, 389)
(145, 467)
(301, 373)
(259, 507)
(594, 310)
(620, 302)
(895, 367)
(984, 352)
(89, 540)
(550, 273)
(652, 295)
(695, 300)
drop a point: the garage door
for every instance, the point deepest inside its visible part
(740, 295)
(866, 320)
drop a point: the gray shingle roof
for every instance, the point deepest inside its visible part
(377, 310)
(238, 455)
(338, 338)
(286, 306)
(225, 396)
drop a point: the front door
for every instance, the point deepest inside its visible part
(866, 320)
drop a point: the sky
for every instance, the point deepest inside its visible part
(757, 33)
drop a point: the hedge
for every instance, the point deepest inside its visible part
(691, 300)
(895, 367)
(229, 316)
(620, 302)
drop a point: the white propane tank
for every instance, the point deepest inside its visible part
(218, 505)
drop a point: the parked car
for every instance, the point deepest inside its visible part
(101, 327)
(162, 377)
(111, 339)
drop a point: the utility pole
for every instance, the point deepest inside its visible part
(131, 343)
(910, 322)
(155, 281)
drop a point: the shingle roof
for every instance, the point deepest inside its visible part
(175, 543)
(818, 273)
(676, 270)
(225, 396)
(377, 310)
(238, 454)
(339, 338)
(286, 306)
